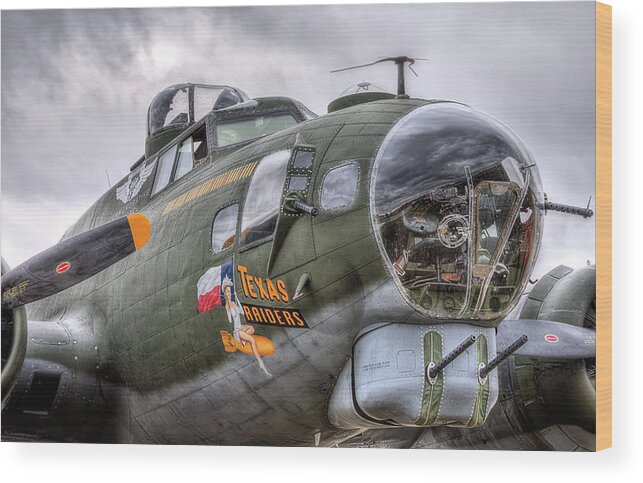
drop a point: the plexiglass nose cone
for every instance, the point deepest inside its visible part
(455, 207)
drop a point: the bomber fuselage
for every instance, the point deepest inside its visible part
(166, 362)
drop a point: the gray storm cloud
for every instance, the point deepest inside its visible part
(76, 85)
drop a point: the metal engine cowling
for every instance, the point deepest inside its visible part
(560, 392)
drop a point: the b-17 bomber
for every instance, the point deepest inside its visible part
(267, 276)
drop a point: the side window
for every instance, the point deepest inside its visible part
(192, 153)
(164, 170)
(239, 130)
(200, 147)
(339, 187)
(261, 208)
(300, 170)
(224, 228)
(298, 183)
(303, 159)
(184, 162)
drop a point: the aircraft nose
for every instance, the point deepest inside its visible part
(455, 205)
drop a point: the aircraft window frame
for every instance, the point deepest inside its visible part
(322, 185)
(296, 156)
(204, 159)
(497, 189)
(305, 112)
(194, 102)
(159, 164)
(428, 169)
(234, 230)
(180, 92)
(280, 169)
(202, 129)
(298, 182)
(301, 174)
(257, 115)
(183, 155)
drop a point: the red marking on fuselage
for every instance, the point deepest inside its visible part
(63, 267)
(551, 338)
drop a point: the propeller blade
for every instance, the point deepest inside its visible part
(74, 260)
(548, 340)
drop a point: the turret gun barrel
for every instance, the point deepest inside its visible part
(500, 358)
(435, 370)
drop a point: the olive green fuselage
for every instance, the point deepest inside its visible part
(135, 353)
(171, 379)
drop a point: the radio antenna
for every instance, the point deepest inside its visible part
(400, 61)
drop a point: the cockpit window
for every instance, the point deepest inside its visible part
(237, 131)
(455, 203)
(193, 152)
(208, 98)
(184, 104)
(224, 228)
(261, 208)
(339, 187)
(164, 170)
(200, 147)
(170, 107)
(184, 162)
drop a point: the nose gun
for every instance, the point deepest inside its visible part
(572, 210)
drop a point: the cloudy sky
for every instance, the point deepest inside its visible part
(76, 85)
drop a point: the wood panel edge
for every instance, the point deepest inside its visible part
(603, 226)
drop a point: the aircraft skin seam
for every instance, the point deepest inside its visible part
(444, 382)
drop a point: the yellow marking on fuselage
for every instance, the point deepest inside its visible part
(246, 171)
(210, 185)
(140, 229)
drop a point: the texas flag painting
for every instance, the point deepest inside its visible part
(210, 286)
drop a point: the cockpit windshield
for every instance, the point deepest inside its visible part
(170, 107)
(182, 104)
(455, 207)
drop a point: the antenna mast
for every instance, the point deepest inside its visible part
(400, 61)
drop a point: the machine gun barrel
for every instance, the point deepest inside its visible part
(572, 210)
(500, 358)
(435, 370)
(305, 208)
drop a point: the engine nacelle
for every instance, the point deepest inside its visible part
(560, 392)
